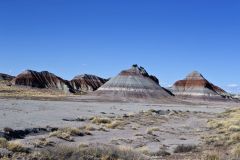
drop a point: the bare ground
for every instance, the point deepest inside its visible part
(153, 130)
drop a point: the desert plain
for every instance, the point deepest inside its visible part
(139, 130)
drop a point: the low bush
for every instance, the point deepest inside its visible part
(3, 143)
(100, 120)
(185, 148)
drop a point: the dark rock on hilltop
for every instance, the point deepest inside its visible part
(135, 70)
(42, 79)
(87, 83)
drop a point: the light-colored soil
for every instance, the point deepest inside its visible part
(19, 114)
(139, 128)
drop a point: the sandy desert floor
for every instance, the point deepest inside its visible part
(157, 131)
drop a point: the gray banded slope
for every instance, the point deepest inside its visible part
(196, 85)
(133, 83)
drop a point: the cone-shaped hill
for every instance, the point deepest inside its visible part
(196, 85)
(133, 83)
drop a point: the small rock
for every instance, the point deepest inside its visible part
(74, 119)
(5, 152)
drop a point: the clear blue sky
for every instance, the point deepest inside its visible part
(170, 38)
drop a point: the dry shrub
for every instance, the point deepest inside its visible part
(43, 142)
(16, 146)
(185, 148)
(236, 151)
(3, 143)
(151, 130)
(114, 124)
(67, 133)
(211, 156)
(101, 120)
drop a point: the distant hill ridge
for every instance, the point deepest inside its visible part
(134, 82)
(42, 79)
(6, 77)
(45, 79)
(87, 82)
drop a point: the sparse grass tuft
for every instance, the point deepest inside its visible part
(16, 147)
(227, 134)
(236, 151)
(211, 156)
(235, 137)
(100, 152)
(234, 128)
(42, 142)
(227, 126)
(214, 124)
(27, 92)
(160, 153)
(89, 128)
(3, 143)
(114, 124)
(144, 150)
(5, 158)
(100, 120)
(61, 135)
(151, 130)
(67, 133)
(216, 139)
